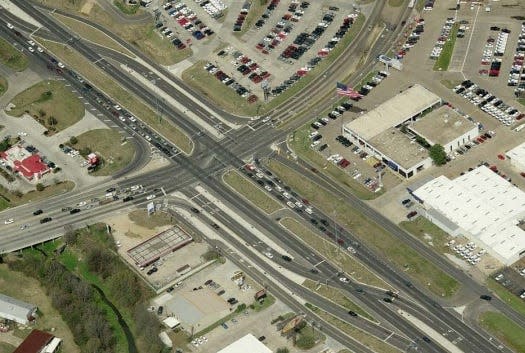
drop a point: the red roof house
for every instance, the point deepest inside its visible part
(36, 342)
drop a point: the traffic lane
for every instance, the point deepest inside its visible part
(395, 277)
(317, 300)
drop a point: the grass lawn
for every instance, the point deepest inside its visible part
(428, 233)
(6, 348)
(395, 3)
(521, 101)
(11, 57)
(309, 337)
(267, 302)
(362, 337)
(510, 333)
(222, 95)
(450, 83)
(32, 196)
(122, 96)
(126, 9)
(419, 5)
(384, 243)
(329, 250)
(337, 296)
(300, 144)
(92, 34)
(512, 300)
(180, 339)
(3, 85)
(49, 99)
(32, 292)
(108, 143)
(158, 219)
(448, 48)
(251, 191)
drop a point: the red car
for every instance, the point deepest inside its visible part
(501, 157)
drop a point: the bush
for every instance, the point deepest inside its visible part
(438, 154)
(283, 350)
(40, 187)
(73, 140)
(305, 342)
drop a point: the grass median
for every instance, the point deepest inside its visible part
(358, 335)
(329, 250)
(506, 330)
(51, 103)
(508, 297)
(300, 144)
(131, 102)
(251, 191)
(116, 152)
(443, 60)
(92, 34)
(12, 57)
(337, 296)
(383, 243)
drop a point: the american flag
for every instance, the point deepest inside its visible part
(344, 90)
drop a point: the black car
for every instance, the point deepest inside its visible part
(313, 270)
(75, 210)
(194, 210)
(152, 271)
(485, 297)
(160, 310)
(127, 199)
(388, 300)
(215, 226)
(170, 289)
(111, 189)
(426, 339)
(286, 258)
(208, 282)
(352, 313)
(37, 212)
(45, 220)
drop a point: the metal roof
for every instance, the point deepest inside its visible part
(517, 154)
(14, 309)
(246, 344)
(483, 204)
(393, 112)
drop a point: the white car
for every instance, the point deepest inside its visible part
(31, 50)
(344, 280)
(31, 43)
(117, 107)
(268, 255)
(268, 188)
(9, 221)
(151, 197)
(60, 65)
(351, 249)
(10, 26)
(39, 49)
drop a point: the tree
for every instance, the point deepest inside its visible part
(41, 112)
(438, 154)
(40, 187)
(283, 350)
(73, 140)
(52, 121)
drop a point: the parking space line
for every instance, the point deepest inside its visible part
(469, 42)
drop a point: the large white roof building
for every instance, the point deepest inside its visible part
(480, 205)
(246, 344)
(517, 157)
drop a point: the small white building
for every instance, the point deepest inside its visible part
(516, 157)
(481, 206)
(17, 310)
(246, 344)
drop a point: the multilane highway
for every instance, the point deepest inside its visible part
(204, 175)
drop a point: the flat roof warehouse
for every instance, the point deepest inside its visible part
(393, 112)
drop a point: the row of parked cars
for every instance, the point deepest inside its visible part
(487, 102)
(347, 23)
(282, 28)
(214, 8)
(230, 82)
(443, 37)
(267, 13)
(517, 71)
(371, 84)
(241, 17)
(188, 20)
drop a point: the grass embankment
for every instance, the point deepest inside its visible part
(428, 233)
(300, 144)
(157, 219)
(127, 9)
(337, 296)
(3, 85)
(92, 34)
(228, 100)
(506, 330)
(443, 60)
(122, 96)
(251, 191)
(508, 297)
(383, 243)
(12, 57)
(362, 337)
(15, 198)
(50, 103)
(329, 250)
(32, 292)
(116, 152)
